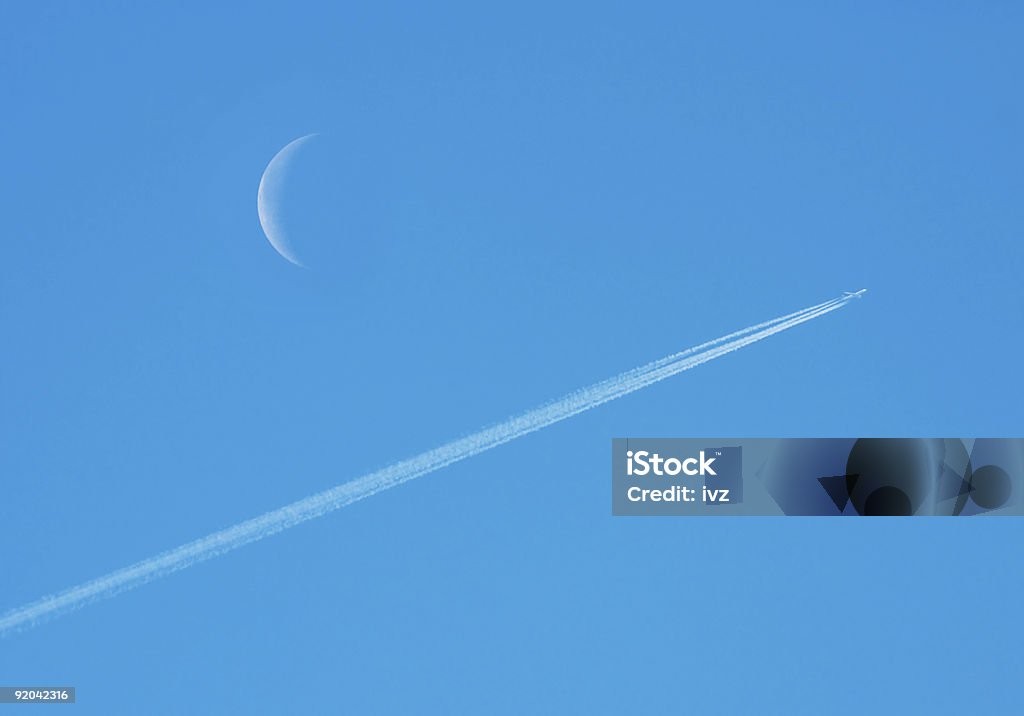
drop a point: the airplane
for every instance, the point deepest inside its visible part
(854, 294)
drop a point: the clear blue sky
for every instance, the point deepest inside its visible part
(523, 200)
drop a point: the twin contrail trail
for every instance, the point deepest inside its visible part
(334, 498)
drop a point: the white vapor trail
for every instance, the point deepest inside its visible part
(334, 498)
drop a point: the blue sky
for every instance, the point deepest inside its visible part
(511, 202)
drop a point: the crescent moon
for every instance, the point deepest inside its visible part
(267, 198)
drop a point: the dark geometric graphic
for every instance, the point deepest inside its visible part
(888, 501)
(893, 476)
(839, 488)
(896, 476)
(990, 487)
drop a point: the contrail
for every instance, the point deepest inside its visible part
(334, 498)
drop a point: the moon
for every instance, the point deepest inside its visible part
(272, 183)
